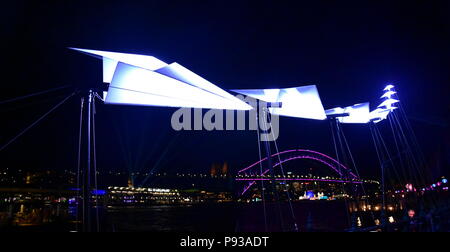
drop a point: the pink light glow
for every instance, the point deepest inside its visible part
(299, 179)
(301, 150)
(294, 158)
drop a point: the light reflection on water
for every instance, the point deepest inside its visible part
(225, 217)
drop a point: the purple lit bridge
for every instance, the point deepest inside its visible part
(252, 174)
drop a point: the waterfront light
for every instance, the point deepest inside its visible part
(411, 213)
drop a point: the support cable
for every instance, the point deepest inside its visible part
(285, 181)
(356, 170)
(390, 160)
(397, 146)
(272, 174)
(336, 148)
(263, 189)
(380, 160)
(94, 112)
(32, 95)
(79, 164)
(37, 121)
(417, 173)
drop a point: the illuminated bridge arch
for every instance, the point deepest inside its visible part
(249, 173)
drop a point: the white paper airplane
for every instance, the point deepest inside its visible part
(147, 81)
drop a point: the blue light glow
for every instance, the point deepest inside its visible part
(310, 194)
(99, 192)
(444, 181)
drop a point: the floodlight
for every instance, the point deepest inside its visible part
(357, 114)
(300, 102)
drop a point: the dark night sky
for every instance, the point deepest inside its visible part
(350, 50)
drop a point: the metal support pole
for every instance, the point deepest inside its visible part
(382, 166)
(271, 170)
(87, 187)
(79, 173)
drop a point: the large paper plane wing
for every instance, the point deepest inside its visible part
(356, 114)
(147, 81)
(300, 102)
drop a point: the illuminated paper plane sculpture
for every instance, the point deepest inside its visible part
(379, 115)
(300, 102)
(389, 87)
(388, 103)
(147, 81)
(388, 94)
(386, 107)
(361, 114)
(356, 114)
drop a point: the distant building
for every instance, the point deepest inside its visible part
(143, 196)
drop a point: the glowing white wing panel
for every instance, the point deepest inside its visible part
(301, 102)
(267, 95)
(388, 103)
(109, 67)
(126, 97)
(178, 72)
(389, 87)
(152, 82)
(388, 94)
(139, 80)
(379, 115)
(357, 114)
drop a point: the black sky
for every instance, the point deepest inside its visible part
(350, 50)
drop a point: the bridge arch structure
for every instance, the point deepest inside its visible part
(253, 173)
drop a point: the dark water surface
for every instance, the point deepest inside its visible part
(229, 217)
